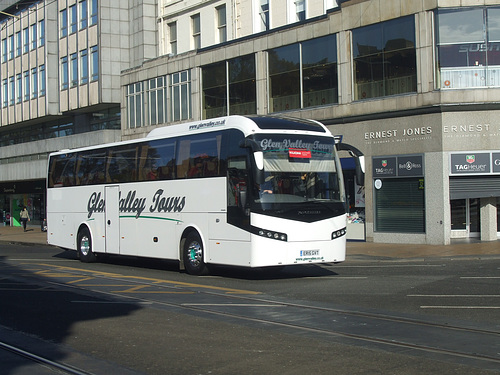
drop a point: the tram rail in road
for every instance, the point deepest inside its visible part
(449, 342)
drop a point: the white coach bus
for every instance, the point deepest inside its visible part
(243, 191)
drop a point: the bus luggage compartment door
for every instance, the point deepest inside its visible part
(112, 219)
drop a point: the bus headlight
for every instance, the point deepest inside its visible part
(271, 234)
(338, 233)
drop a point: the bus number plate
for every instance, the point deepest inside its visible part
(309, 253)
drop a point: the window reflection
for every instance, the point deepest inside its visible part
(316, 62)
(385, 59)
(468, 47)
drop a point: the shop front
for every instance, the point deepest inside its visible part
(475, 194)
(15, 195)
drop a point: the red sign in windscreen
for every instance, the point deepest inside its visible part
(299, 153)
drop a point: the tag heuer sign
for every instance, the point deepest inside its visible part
(467, 164)
(470, 159)
(384, 167)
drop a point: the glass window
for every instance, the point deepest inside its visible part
(93, 12)
(181, 95)
(214, 83)
(83, 14)
(400, 206)
(221, 23)
(229, 87)
(26, 77)
(172, 32)
(122, 164)
(19, 44)
(63, 20)
(242, 87)
(468, 47)
(34, 36)
(264, 15)
(4, 50)
(94, 63)
(19, 84)
(199, 156)
(41, 29)
(385, 59)
(26, 37)
(34, 83)
(160, 163)
(42, 80)
(74, 69)
(319, 71)
(73, 19)
(11, 47)
(196, 29)
(135, 100)
(300, 10)
(284, 78)
(157, 100)
(84, 67)
(64, 73)
(5, 92)
(12, 85)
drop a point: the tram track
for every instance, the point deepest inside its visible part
(48, 364)
(411, 334)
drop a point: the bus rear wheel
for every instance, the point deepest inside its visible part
(84, 246)
(192, 255)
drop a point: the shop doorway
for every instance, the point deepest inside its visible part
(465, 219)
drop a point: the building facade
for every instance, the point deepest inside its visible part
(411, 83)
(60, 64)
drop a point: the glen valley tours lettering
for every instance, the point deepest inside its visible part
(132, 203)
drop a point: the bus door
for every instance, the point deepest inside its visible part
(112, 217)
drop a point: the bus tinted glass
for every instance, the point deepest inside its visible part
(194, 156)
(298, 170)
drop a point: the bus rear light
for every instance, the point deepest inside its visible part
(338, 233)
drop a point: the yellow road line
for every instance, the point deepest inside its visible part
(138, 278)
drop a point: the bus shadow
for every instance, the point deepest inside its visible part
(271, 273)
(244, 273)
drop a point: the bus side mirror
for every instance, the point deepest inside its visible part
(258, 158)
(360, 170)
(359, 160)
(242, 195)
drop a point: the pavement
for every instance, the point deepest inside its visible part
(465, 247)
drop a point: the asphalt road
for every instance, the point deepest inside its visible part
(365, 316)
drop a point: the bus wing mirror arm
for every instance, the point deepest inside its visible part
(359, 160)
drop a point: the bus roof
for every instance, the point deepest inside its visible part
(247, 124)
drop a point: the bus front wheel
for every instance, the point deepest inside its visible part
(85, 252)
(193, 255)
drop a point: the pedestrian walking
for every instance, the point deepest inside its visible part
(25, 217)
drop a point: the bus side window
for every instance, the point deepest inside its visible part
(161, 157)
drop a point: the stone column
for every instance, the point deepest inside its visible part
(488, 215)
